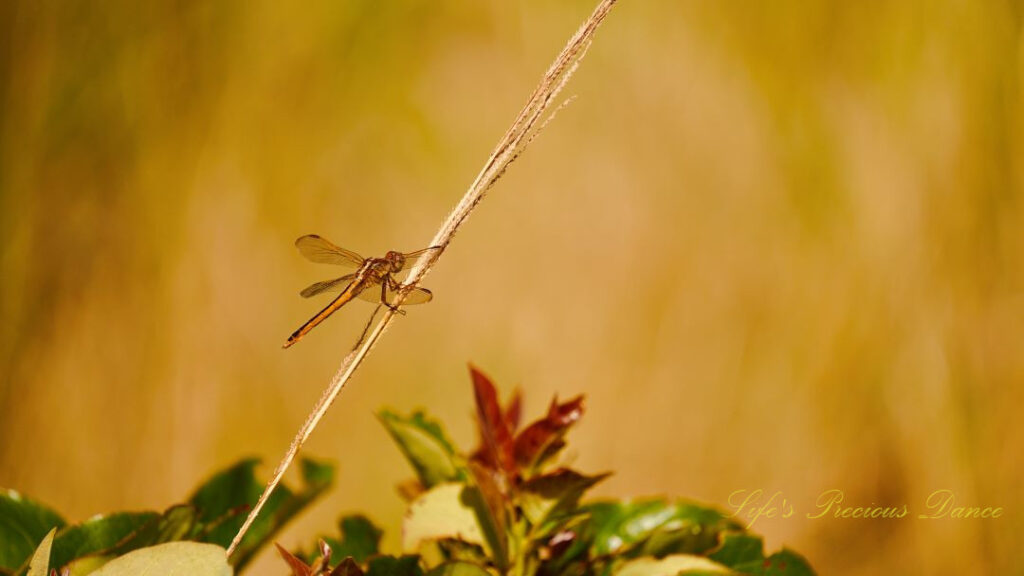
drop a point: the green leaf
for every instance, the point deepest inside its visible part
(87, 565)
(440, 513)
(39, 565)
(348, 567)
(782, 563)
(546, 498)
(360, 539)
(425, 446)
(617, 524)
(459, 569)
(671, 566)
(171, 559)
(738, 550)
(86, 546)
(224, 500)
(177, 523)
(98, 535)
(394, 566)
(654, 527)
(692, 529)
(489, 504)
(23, 525)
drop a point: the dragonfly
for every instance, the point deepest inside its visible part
(373, 279)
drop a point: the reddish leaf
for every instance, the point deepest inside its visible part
(299, 568)
(543, 438)
(348, 567)
(498, 449)
(325, 552)
(514, 410)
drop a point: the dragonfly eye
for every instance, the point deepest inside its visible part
(397, 261)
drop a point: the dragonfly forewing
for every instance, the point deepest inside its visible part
(322, 251)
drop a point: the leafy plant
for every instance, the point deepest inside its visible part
(211, 515)
(508, 508)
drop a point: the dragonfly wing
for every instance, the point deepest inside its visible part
(372, 293)
(418, 253)
(322, 251)
(327, 286)
(418, 296)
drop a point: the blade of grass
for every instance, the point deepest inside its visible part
(512, 144)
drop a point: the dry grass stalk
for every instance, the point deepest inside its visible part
(513, 143)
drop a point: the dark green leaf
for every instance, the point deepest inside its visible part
(489, 504)
(99, 534)
(549, 497)
(347, 567)
(782, 563)
(224, 500)
(459, 569)
(394, 566)
(461, 551)
(360, 539)
(23, 525)
(739, 549)
(424, 445)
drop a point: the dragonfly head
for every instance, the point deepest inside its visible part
(396, 259)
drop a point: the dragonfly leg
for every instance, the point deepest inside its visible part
(389, 283)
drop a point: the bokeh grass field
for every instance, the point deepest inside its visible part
(779, 246)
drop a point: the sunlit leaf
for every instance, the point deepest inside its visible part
(23, 525)
(39, 565)
(424, 445)
(87, 565)
(441, 513)
(671, 566)
(171, 559)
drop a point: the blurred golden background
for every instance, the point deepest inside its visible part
(777, 245)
